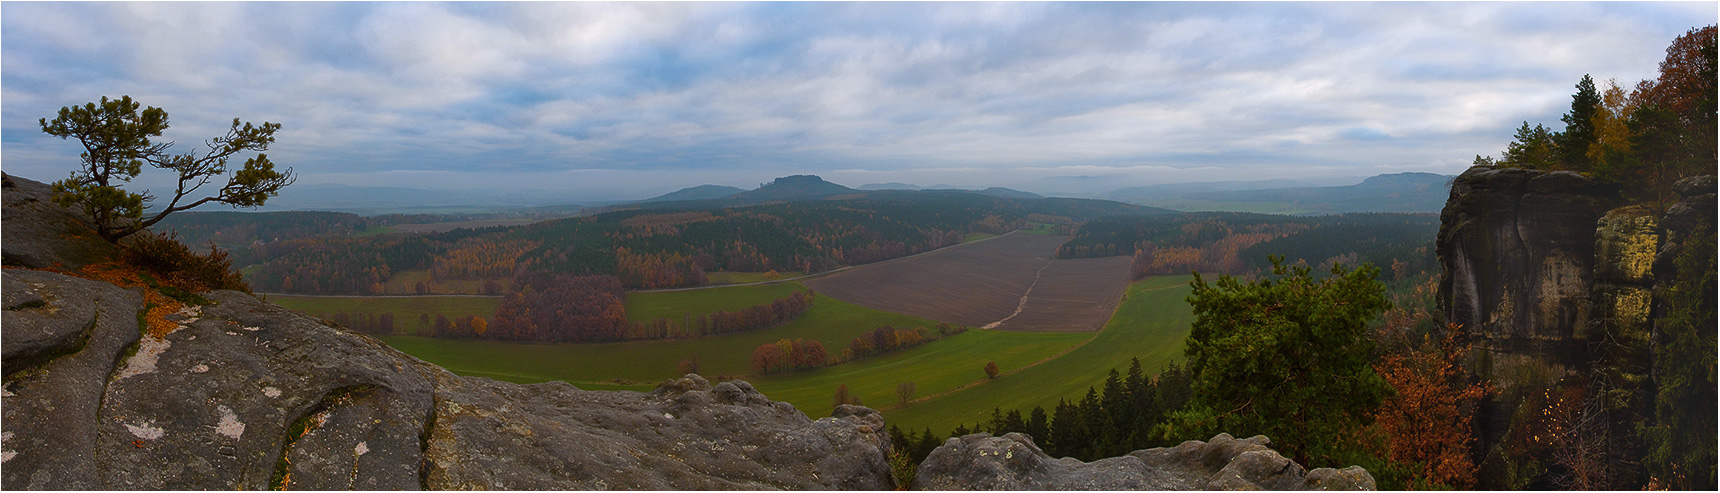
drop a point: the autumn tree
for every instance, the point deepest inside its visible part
(1427, 420)
(116, 141)
(688, 365)
(769, 357)
(904, 393)
(844, 397)
(479, 326)
(991, 370)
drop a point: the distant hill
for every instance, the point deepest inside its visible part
(701, 192)
(889, 186)
(1171, 191)
(792, 188)
(1009, 193)
(1401, 192)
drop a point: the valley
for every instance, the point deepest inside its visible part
(1010, 282)
(1044, 289)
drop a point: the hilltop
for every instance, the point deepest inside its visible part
(701, 192)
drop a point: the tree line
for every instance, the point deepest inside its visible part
(799, 355)
(757, 317)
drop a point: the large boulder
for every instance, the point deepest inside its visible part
(40, 233)
(1013, 462)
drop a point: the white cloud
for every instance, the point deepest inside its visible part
(1003, 91)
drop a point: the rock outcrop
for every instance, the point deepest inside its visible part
(249, 395)
(1014, 462)
(1553, 275)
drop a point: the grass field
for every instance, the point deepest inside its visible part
(644, 363)
(1151, 324)
(405, 283)
(1040, 368)
(938, 367)
(674, 305)
(406, 309)
(973, 237)
(721, 278)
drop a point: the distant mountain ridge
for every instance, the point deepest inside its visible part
(701, 192)
(1400, 192)
(793, 187)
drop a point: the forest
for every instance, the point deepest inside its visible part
(1239, 243)
(315, 253)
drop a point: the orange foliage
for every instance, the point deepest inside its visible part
(656, 270)
(1428, 420)
(158, 306)
(476, 258)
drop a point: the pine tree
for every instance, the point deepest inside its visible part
(1579, 131)
(1039, 427)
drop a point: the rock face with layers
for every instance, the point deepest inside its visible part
(1553, 276)
(1014, 462)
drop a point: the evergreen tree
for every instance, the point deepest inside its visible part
(1287, 356)
(1579, 131)
(1067, 431)
(1039, 427)
(1681, 443)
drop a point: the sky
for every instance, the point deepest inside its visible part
(608, 101)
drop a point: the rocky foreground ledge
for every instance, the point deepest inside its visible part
(248, 395)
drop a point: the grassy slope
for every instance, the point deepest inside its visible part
(934, 368)
(643, 363)
(1151, 324)
(674, 304)
(973, 237)
(403, 283)
(720, 278)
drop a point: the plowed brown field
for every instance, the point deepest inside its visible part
(1009, 283)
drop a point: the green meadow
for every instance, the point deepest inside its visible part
(406, 309)
(950, 385)
(1150, 324)
(641, 364)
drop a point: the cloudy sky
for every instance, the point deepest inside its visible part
(624, 100)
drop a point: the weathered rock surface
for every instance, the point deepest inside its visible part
(1551, 278)
(248, 395)
(1014, 462)
(687, 435)
(40, 233)
(53, 393)
(1518, 249)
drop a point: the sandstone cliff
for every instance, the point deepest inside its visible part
(1553, 276)
(242, 394)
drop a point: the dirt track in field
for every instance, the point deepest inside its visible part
(1007, 283)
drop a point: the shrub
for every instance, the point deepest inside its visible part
(165, 258)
